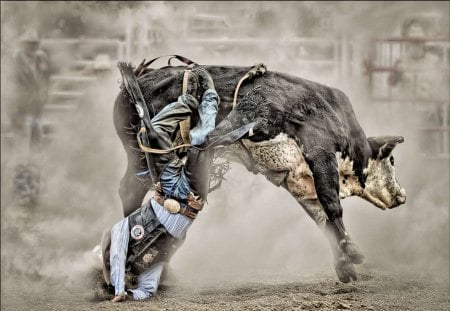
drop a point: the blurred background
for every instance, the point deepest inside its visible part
(61, 160)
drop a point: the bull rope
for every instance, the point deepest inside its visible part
(143, 131)
(258, 69)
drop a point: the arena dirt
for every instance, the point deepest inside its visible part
(375, 290)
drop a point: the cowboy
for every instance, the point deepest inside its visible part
(31, 81)
(144, 241)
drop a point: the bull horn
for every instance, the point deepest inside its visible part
(382, 146)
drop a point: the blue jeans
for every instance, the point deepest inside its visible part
(173, 179)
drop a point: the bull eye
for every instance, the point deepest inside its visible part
(391, 159)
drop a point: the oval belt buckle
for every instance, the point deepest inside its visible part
(172, 206)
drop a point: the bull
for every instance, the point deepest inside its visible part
(307, 140)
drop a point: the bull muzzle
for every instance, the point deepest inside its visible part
(399, 199)
(385, 201)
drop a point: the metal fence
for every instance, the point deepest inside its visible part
(415, 71)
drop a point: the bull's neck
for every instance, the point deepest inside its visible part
(359, 155)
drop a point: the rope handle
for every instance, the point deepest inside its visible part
(237, 89)
(144, 148)
(185, 125)
(258, 69)
(143, 65)
(185, 80)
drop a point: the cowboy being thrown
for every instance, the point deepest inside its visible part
(143, 242)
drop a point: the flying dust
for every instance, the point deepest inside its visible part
(249, 230)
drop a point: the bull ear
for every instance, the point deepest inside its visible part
(382, 146)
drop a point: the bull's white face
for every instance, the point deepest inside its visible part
(381, 186)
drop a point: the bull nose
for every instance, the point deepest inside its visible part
(400, 198)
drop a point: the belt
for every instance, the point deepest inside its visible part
(189, 207)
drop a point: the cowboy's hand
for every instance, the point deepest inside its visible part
(119, 298)
(259, 127)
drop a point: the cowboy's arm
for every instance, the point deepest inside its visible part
(148, 282)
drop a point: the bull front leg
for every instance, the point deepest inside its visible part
(283, 163)
(343, 265)
(326, 180)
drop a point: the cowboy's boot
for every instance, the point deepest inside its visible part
(204, 79)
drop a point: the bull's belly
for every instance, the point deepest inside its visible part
(281, 160)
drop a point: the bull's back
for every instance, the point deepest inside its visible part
(301, 98)
(289, 103)
(287, 90)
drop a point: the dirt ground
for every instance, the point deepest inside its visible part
(47, 264)
(376, 289)
(42, 269)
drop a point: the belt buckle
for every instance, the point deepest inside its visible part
(172, 206)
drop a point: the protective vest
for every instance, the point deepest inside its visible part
(150, 242)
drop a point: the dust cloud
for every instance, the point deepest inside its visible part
(249, 230)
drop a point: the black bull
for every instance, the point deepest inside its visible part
(317, 120)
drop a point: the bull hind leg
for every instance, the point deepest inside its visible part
(133, 187)
(131, 191)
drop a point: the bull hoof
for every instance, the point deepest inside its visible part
(352, 251)
(345, 271)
